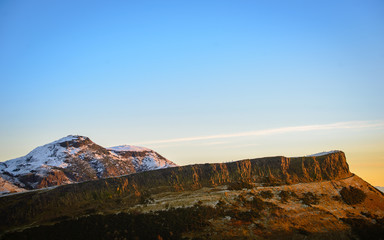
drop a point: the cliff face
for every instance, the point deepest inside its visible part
(107, 194)
(268, 171)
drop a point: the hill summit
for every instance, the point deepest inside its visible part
(75, 159)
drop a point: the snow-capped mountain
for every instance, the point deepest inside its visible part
(75, 159)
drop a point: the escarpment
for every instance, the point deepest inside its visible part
(270, 170)
(78, 199)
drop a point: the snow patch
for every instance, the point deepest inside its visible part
(128, 148)
(319, 154)
(322, 153)
(380, 188)
(98, 167)
(43, 157)
(74, 151)
(67, 139)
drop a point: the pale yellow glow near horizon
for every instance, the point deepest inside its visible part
(368, 163)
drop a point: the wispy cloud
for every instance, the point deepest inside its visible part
(215, 143)
(243, 145)
(266, 132)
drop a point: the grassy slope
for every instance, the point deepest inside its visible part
(218, 213)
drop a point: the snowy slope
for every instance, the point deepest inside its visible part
(129, 148)
(43, 157)
(319, 154)
(74, 159)
(380, 188)
(322, 153)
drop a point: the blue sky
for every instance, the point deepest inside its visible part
(141, 72)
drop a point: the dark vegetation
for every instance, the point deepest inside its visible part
(310, 199)
(146, 198)
(166, 224)
(257, 205)
(337, 198)
(286, 195)
(254, 205)
(266, 194)
(352, 195)
(239, 185)
(364, 229)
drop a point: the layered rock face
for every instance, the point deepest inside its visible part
(269, 171)
(75, 159)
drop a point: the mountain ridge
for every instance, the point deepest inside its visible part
(74, 159)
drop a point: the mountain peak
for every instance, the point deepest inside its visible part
(74, 159)
(70, 138)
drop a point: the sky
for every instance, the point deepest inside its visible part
(197, 81)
